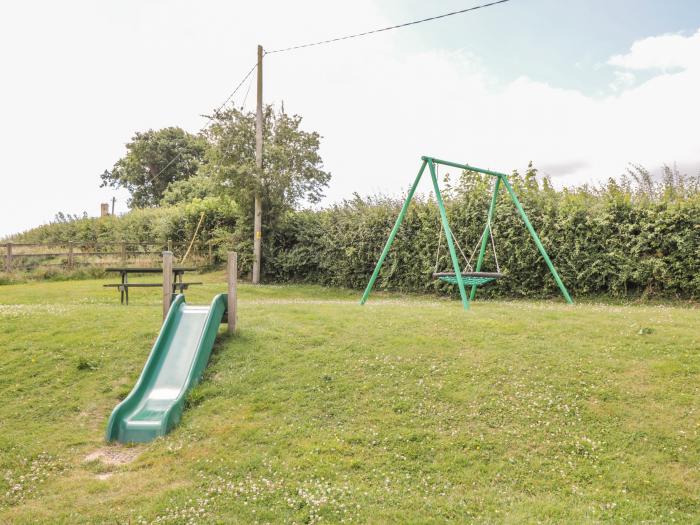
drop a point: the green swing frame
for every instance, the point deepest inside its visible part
(459, 279)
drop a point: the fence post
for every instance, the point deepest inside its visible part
(8, 258)
(70, 254)
(167, 282)
(232, 274)
(211, 254)
(123, 252)
(170, 245)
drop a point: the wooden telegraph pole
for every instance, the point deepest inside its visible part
(257, 239)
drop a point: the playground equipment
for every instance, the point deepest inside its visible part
(474, 277)
(175, 364)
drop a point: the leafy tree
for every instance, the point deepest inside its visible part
(154, 160)
(292, 167)
(292, 171)
(199, 186)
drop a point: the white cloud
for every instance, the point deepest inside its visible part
(661, 52)
(622, 80)
(383, 111)
(132, 65)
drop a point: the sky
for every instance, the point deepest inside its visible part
(580, 87)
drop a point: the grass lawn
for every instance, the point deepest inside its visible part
(319, 410)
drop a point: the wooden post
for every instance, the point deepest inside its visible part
(211, 254)
(8, 258)
(257, 227)
(123, 252)
(70, 255)
(232, 274)
(167, 282)
(170, 245)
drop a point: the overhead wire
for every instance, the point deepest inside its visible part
(388, 28)
(236, 89)
(209, 119)
(323, 42)
(245, 98)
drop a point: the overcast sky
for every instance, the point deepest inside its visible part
(580, 87)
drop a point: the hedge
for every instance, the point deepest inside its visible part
(615, 241)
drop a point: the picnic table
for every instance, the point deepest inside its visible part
(124, 285)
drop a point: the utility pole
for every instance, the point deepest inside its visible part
(257, 239)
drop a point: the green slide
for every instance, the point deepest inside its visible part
(177, 360)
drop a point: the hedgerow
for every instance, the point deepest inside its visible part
(639, 237)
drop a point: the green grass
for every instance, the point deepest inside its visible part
(404, 410)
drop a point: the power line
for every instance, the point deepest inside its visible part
(380, 30)
(235, 90)
(209, 119)
(322, 42)
(245, 97)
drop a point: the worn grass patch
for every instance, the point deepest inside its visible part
(319, 410)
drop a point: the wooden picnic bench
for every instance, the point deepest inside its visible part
(124, 285)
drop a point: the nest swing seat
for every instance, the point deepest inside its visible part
(468, 278)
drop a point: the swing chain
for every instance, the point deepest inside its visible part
(489, 227)
(468, 261)
(437, 252)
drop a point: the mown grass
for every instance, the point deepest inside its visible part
(404, 410)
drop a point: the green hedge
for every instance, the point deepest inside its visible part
(614, 241)
(609, 243)
(141, 225)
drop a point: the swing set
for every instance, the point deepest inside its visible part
(473, 277)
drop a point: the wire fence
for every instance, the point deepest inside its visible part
(21, 257)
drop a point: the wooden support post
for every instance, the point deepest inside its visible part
(123, 250)
(257, 218)
(170, 245)
(167, 282)
(232, 291)
(8, 258)
(70, 255)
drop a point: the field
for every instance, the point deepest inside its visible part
(405, 410)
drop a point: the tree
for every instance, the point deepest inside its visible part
(292, 167)
(153, 161)
(199, 186)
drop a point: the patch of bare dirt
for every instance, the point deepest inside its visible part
(114, 455)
